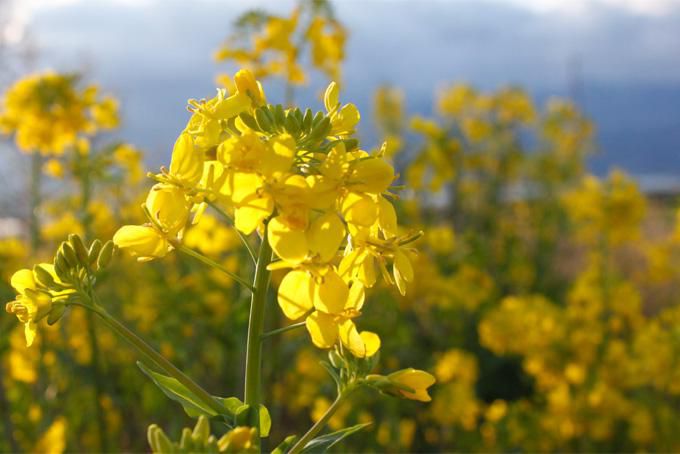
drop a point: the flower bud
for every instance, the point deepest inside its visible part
(79, 248)
(93, 252)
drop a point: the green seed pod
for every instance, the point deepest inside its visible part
(163, 442)
(201, 430)
(336, 360)
(43, 276)
(58, 310)
(105, 255)
(151, 437)
(185, 443)
(292, 125)
(61, 267)
(79, 248)
(322, 129)
(69, 254)
(263, 120)
(307, 120)
(249, 121)
(279, 116)
(93, 253)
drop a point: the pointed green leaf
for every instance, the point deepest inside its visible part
(325, 442)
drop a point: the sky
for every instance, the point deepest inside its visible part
(624, 56)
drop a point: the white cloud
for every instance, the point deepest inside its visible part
(580, 7)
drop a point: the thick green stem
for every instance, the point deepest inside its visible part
(7, 416)
(255, 328)
(320, 424)
(154, 357)
(214, 264)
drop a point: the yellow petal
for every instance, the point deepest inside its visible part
(22, 279)
(351, 339)
(252, 211)
(387, 218)
(169, 207)
(186, 163)
(322, 329)
(289, 244)
(372, 342)
(142, 241)
(402, 270)
(359, 209)
(373, 175)
(279, 156)
(295, 294)
(417, 380)
(325, 235)
(30, 330)
(357, 296)
(330, 295)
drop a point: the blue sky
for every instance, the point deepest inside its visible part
(155, 54)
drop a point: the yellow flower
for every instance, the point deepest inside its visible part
(417, 380)
(142, 241)
(32, 303)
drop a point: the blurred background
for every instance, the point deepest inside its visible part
(539, 142)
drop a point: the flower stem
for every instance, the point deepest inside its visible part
(243, 238)
(34, 190)
(283, 330)
(255, 327)
(320, 424)
(154, 357)
(212, 263)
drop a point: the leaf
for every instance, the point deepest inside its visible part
(176, 391)
(325, 442)
(286, 444)
(265, 422)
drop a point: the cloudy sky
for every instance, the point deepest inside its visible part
(155, 54)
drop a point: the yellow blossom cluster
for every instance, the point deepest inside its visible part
(271, 45)
(49, 112)
(300, 179)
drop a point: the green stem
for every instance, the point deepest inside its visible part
(154, 357)
(200, 257)
(320, 424)
(243, 238)
(282, 330)
(255, 328)
(34, 190)
(83, 175)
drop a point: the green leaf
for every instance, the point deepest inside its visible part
(265, 422)
(325, 442)
(286, 444)
(176, 391)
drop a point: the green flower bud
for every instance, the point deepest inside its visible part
(105, 255)
(93, 253)
(201, 430)
(42, 276)
(79, 248)
(69, 254)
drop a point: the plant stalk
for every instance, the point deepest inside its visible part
(320, 424)
(255, 328)
(154, 357)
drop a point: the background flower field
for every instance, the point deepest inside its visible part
(545, 297)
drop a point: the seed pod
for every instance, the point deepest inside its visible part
(79, 248)
(279, 116)
(322, 129)
(263, 120)
(58, 310)
(201, 430)
(292, 125)
(69, 254)
(336, 360)
(105, 255)
(185, 443)
(43, 276)
(93, 253)
(249, 121)
(307, 119)
(61, 267)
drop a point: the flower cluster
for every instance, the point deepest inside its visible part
(301, 178)
(48, 112)
(274, 45)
